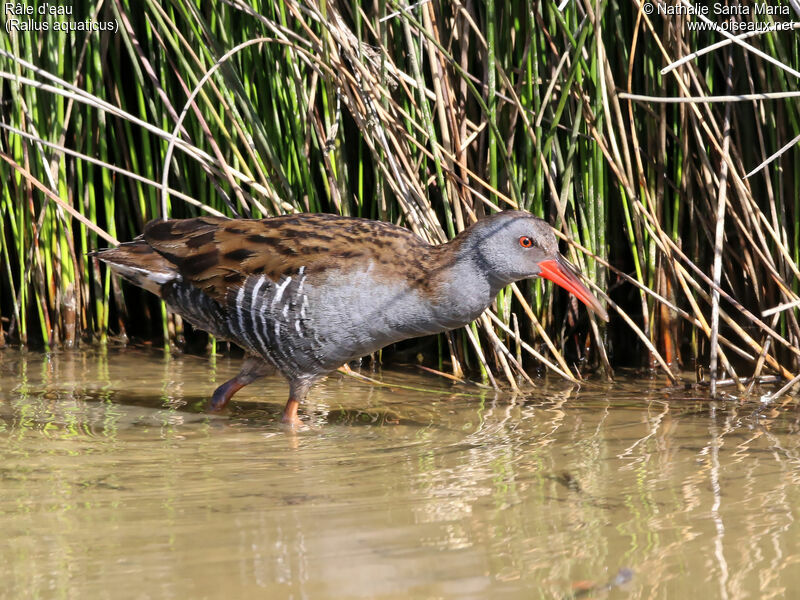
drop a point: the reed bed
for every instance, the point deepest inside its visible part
(429, 116)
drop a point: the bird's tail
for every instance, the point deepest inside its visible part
(138, 263)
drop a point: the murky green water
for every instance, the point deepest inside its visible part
(115, 484)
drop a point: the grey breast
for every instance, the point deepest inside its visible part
(356, 313)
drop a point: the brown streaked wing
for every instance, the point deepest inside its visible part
(218, 254)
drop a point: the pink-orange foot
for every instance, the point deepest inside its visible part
(224, 393)
(253, 368)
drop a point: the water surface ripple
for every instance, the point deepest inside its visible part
(117, 484)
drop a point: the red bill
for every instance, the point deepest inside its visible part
(561, 272)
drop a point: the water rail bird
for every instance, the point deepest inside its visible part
(304, 294)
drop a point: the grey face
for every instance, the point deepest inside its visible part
(511, 245)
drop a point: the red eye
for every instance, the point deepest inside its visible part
(525, 241)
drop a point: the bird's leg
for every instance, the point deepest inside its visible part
(290, 412)
(253, 368)
(298, 388)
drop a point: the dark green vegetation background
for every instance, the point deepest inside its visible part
(428, 118)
